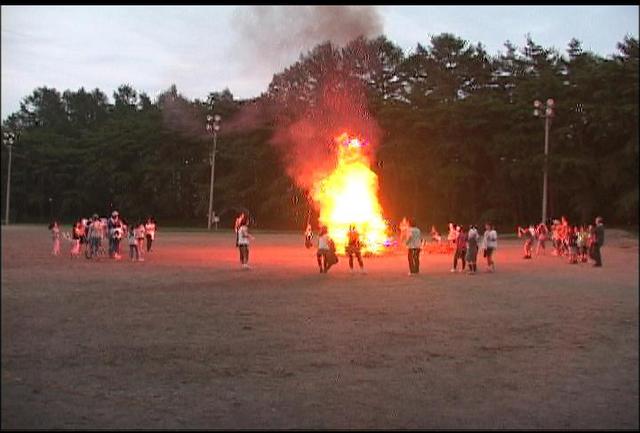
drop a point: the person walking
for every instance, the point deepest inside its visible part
(354, 248)
(308, 237)
(326, 251)
(490, 243)
(243, 237)
(414, 243)
(598, 242)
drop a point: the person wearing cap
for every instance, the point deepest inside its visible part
(598, 242)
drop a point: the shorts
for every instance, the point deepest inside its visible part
(488, 253)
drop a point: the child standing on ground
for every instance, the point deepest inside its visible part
(323, 250)
(150, 232)
(583, 243)
(55, 233)
(541, 233)
(76, 233)
(414, 244)
(461, 249)
(133, 245)
(572, 237)
(139, 233)
(472, 249)
(528, 234)
(354, 247)
(243, 238)
(490, 242)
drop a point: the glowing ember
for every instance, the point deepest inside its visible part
(348, 196)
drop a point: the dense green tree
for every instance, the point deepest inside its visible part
(457, 138)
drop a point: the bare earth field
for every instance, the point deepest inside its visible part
(188, 340)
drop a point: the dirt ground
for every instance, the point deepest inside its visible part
(186, 339)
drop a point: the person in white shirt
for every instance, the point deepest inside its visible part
(139, 232)
(55, 233)
(323, 250)
(490, 243)
(414, 242)
(243, 238)
(150, 232)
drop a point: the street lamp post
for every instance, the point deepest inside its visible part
(547, 111)
(213, 126)
(8, 138)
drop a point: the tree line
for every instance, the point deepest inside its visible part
(458, 139)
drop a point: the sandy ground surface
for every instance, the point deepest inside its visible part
(187, 340)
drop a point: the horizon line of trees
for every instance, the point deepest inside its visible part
(459, 139)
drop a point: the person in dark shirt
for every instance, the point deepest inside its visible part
(461, 249)
(598, 242)
(353, 248)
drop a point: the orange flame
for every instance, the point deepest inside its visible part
(348, 196)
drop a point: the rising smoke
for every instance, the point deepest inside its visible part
(270, 38)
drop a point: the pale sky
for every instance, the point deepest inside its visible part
(197, 47)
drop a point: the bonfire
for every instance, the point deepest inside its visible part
(349, 196)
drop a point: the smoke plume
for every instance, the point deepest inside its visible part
(269, 38)
(307, 143)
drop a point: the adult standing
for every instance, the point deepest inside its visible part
(414, 242)
(490, 243)
(598, 242)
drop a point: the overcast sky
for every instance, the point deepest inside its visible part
(207, 48)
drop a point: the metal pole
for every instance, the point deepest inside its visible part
(546, 169)
(213, 163)
(6, 210)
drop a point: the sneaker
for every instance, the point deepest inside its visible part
(141, 260)
(452, 270)
(362, 271)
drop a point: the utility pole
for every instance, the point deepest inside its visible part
(8, 139)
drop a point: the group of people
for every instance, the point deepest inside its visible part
(90, 234)
(467, 243)
(575, 242)
(578, 243)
